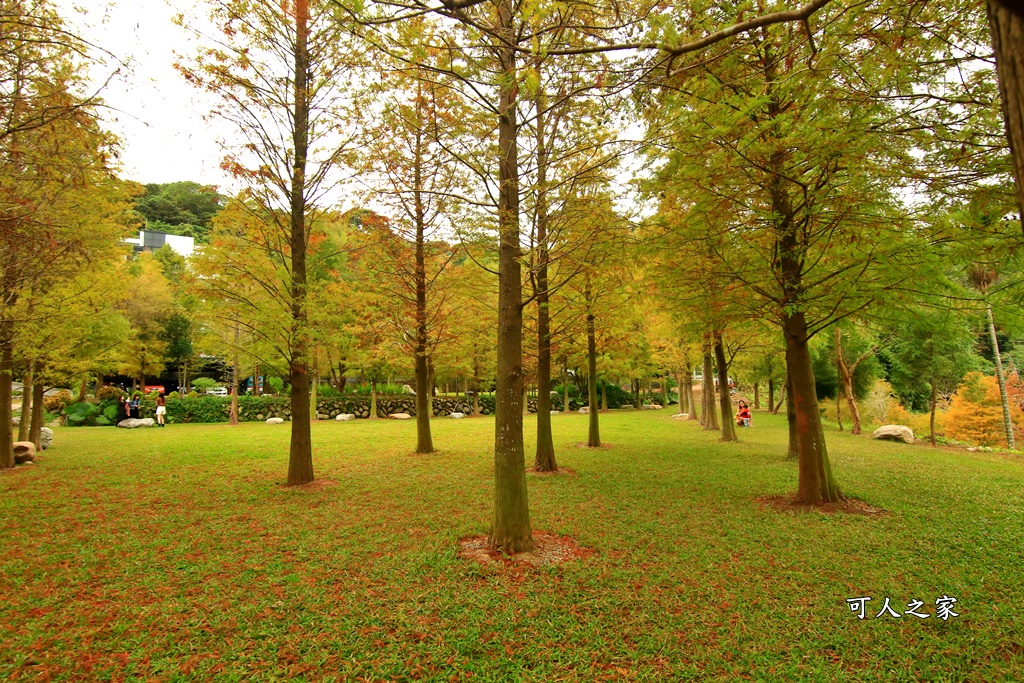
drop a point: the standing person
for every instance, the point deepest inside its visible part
(136, 402)
(122, 408)
(161, 409)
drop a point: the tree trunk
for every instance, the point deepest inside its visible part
(36, 429)
(1007, 421)
(83, 387)
(430, 388)
(6, 378)
(424, 403)
(233, 417)
(604, 396)
(931, 420)
(725, 400)
(594, 433)
(26, 402)
(757, 396)
(708, 390)
(637, 400)
(794, 440)
(691, 403)
(300, 460)
(373, 399)
(511, 531)
(1006, 25)
(565, 389)
(664, 390)
(816, 484)
(846, 376)
(544, 460)
(257, 389)
(314, 390)
(771, 396)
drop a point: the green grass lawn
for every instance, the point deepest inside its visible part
(177, 555)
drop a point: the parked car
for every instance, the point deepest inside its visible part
(217, 391)
(154, 387)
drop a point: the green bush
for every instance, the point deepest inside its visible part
(174, 394)
(198, 409)
(82, 414)
(382, 390)
(276, 384)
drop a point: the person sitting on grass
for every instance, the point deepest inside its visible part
(743, 416)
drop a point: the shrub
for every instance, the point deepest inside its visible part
(276, 383)
(193, 394)
(976, 413)
(82, 414)
(109, 393)
(205, 384)
(174, 394)
(57, 402)
(198, 409)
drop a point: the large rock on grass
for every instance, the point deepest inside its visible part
(345, 417)
(894, 433)
(681, 416)
(400, 416)
(135, 423)
(457, 416)
(584, 410)
(45, 437)
(24, 451)
(275, 420)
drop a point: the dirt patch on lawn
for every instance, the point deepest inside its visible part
(583, 444)
(550, 549)
(849, 506)
(568, 471)
(315, 485)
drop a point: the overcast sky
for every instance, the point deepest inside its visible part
(158, 116)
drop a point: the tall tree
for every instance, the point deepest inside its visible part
(282, 71)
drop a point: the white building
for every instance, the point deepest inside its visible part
(151, 240)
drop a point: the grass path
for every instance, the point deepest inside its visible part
(176, 555)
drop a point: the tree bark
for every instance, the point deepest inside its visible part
(36, 429)
(816, 484)
(300, 460)
(931, 420)
(846, 376)
(724, 398)
(544, 460)
(794, 441)
(565, 388)
(771, 396)
(373, 399)
(1007, 420)
(604, 396)
(511, 531)
(83, 387)
(664, 390)
(257, 390)
(637, 400)
(26, 402)
(430, 389)
(708, 394)
(691, 404)
(424, 407)
(594, 432)
(1006, 26)
(6, 378)
(757, 396)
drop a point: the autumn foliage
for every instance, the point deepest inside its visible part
(976, 413)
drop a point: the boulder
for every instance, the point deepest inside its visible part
(409, 390)
(24, 452)
(457, 416)
(45, 437)
(275, 420)
(555, 412)
(585, 410)
(135, 423)
(650, 406)
(400, 416)
(345, 417)
(894, 433)
(681, 416)
(322, 416)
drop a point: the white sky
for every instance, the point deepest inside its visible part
(158, 116)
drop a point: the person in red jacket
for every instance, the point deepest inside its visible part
(743, 416)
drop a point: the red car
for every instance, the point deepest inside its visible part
(154, 387)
